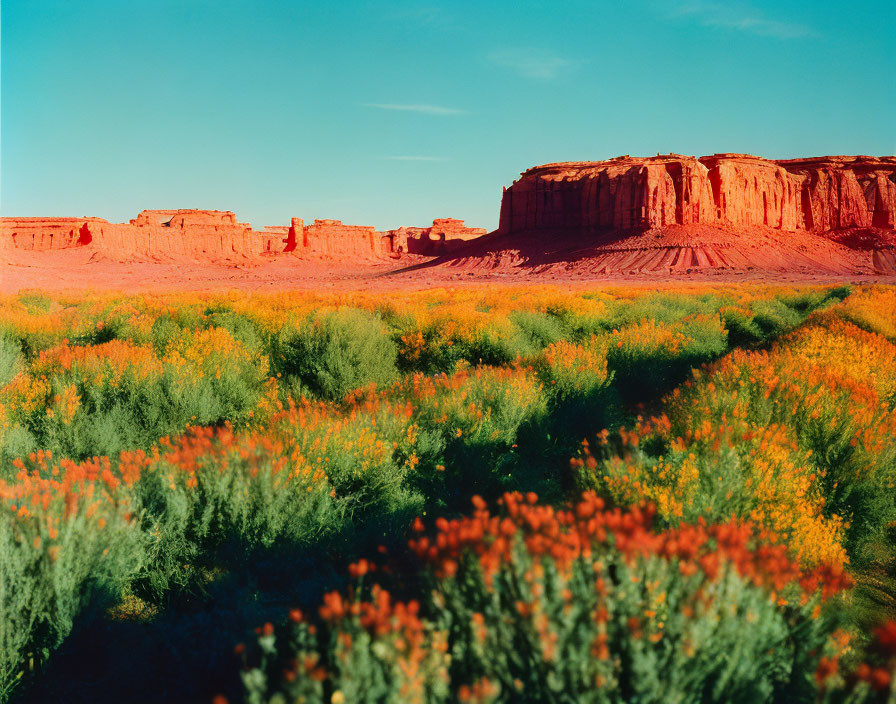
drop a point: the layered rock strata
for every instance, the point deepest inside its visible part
(216, 234)
(445, 235)
(817, 195)
(46, 233)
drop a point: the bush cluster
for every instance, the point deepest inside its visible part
(536, 604)
(155, 449)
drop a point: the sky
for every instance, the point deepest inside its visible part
(395, 113)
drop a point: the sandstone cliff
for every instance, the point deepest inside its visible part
(816, 195)
(217, 235)
(444, 235)
(46, 233)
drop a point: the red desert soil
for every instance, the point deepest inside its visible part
(80, 269)
(676, 251)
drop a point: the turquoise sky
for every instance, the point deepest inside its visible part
(395, 113)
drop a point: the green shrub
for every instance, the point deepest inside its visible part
(10, 359)
(165, 332)
(336, 352)
(535, 331)
(36, 302)
(65, 547)
(214, 498)
(535, 605)
(240, 328)
(810, 299)
(101, 399)
(479, 423)
(651, 357)
(772, 318)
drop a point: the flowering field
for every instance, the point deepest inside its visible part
(487, 494)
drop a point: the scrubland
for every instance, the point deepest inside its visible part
(487, 494)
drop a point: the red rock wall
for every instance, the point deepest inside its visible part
(153, 233)
(734, 189)
(332, 238)
(451, 228)
(444, 235)
(45, 233)
(845, 192)
(619, 194)
(215, 234)
(751, 191)
(192, 233)
(156, 241)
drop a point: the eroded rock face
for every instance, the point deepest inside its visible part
(445, 235)
(817, 195)
(46, 233)
(841, 192)
(332, 237)
(216, 234)
(197, 234)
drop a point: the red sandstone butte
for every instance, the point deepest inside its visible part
(215, 235)
(722, 211)
(817, 195)
(735, 213)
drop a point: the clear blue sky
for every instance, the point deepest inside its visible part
(395, 113)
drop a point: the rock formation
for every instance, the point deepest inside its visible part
(816, 195)
(45, 233)
(198, 234)
(445, 235)
(216, 235)
(332, 237)
(727, 211)
(654, 215)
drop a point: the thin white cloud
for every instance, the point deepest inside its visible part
(427, 109)
(742, 18)
(428, 16)
(531, 62)
(414, 158)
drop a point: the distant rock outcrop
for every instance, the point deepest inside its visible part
(445, 235)
(216, 235)
(197, 234)
(46, 233)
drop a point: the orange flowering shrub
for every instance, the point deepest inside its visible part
(808, 456)
(98, 399)
(68, 538)
(872, 309)
(576, 370)
(583, 603)
(848, 351)
(212, 491)
(649, 356)
(243, 435)
(873, 680)
(718, 469)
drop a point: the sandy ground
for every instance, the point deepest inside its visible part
(80, 269)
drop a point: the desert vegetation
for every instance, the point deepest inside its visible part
(483, 494)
